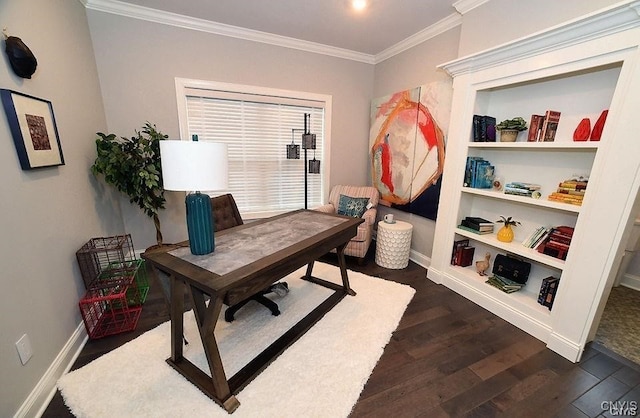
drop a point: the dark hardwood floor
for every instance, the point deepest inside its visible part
(451, 358)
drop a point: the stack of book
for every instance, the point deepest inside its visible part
(479, 173)
(548, 291)
(506, 285)
(521, 189)
(476, 225)
(536, 237)
(570, 191)
(462, 254)
(484, 128)
(557, 242)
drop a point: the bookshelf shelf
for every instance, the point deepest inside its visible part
(579, 76)
(542, 202)
(522, 301)
(514, 248)
(538, 146)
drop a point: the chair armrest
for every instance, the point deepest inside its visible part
(369, 216)
(328, 208)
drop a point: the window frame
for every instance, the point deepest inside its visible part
(184, 85)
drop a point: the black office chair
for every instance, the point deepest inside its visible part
(226, 215)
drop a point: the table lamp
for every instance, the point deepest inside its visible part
(192, 166)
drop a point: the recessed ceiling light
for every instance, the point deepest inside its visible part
(359, 4)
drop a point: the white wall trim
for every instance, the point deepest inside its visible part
(420, 259)
(465, 6)
(43, 392)
(619, 17)
(631, 281)
(432, 31)
(186, 22)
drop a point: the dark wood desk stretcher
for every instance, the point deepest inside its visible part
(247, 259)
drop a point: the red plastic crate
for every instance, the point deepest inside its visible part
(105, 310)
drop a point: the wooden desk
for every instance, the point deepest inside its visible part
(247, 259)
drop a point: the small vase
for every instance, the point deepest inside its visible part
(505, 234)
(508, 135)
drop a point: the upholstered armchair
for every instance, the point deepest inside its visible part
(354, 200)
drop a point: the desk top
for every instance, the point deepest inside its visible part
(255, 241)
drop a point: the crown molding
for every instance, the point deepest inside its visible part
(616, 18)
(465, 6)
(432, 31)
(173, 19)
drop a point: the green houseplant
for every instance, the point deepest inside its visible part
(517, 124)
(509, 128)
(132, 165)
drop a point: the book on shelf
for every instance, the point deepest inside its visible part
(479, 228)
(475, 231)
(479, 173)
(535, 127)
(469, 168)
(478, 221)
(521, 189)
(506, 285)
(536, 237)
(456, 253)
(570, 191)
(548, 290)
(550, 126)
(557, 242)
(484, 128)
(466, 256)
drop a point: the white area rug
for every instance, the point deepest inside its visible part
(321, 375)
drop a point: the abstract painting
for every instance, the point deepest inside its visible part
(407, 143)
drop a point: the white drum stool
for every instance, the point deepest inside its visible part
(393, 244)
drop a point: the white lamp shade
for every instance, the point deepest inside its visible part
(193, 165)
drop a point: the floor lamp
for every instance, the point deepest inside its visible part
(193, 166)
(308, 142)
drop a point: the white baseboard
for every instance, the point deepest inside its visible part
(631, 281)
(420, 259)
(41, 395)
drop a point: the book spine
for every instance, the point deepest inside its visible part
(550, 125)
(534, 128)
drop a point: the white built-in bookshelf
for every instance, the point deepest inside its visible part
(580, 69)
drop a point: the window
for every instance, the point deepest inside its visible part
(257, 124)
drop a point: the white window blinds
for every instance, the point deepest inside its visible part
(257, 130)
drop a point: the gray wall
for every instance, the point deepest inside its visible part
(138, 62)
(47, 214)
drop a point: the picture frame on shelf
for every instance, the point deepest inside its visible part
(33, 127)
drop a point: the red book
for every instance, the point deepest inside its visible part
(535, 127)
(550, 126)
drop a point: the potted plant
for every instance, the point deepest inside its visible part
(132, 165)
(505, 234)
(509, 128)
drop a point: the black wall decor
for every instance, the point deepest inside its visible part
(22, 60)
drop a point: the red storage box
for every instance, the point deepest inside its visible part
(105, 310)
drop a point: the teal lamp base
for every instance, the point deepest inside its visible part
(200, 223)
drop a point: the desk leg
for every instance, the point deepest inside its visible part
(309, 269)
(206, 319)
(343, 270)
(177, 319)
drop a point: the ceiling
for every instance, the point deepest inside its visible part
(332, 23)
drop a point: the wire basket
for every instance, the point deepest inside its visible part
(99, 253)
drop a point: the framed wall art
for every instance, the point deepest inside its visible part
(34, 131)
